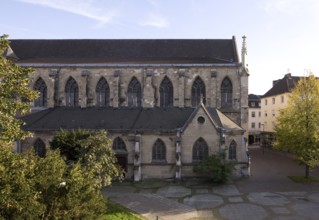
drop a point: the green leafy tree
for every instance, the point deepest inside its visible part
(297, 125)
(32, 187)
(93, 150)
(215, 167)
(15, 96)
(40, 188)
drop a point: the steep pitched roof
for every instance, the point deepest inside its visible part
(227, 123)
(156, 51)
(283, 85)
(115, 119)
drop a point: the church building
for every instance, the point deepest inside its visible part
(166, 103)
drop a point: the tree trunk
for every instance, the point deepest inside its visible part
(307, 171)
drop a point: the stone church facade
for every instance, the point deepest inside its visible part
(165, 103)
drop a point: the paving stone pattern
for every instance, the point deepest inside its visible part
(244, 199)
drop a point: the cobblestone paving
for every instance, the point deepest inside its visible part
(269, 196)
(177, 202)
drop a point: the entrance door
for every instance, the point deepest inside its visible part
(122, 161)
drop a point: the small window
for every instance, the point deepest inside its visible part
(253, 114)
(71, 93)
(273, 113)
(119, 145)
(232, 151)
(201, 120)
(259, 114)
(252, 104)
(273, 100)
(226, 93)
(259, 125)
(41, 87)
(282, 99)
(266, 101)
(200, 149)
(134, 93)
(102, 93)
(253, 125)
(159, 151)
(198, 92)
(166, 93)
(266, 114)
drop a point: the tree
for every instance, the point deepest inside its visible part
(297, 128)
(92, 149)
(32, 187)
(46, 188)
(15, 96)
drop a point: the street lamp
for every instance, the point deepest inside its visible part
(262, 139)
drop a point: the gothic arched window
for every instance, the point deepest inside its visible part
(166, 93)
(71, 93)
(39, 148)
(102, 93)
(134, 93)
(200, 149)
(41, 87)
(159, 151)
(119, 145)
(198, 92)
(226, 93)
(232, 151)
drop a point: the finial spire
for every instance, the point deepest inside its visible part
(244, 52)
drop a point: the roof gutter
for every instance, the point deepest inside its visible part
(50, 65)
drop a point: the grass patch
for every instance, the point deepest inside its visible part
(118, 212)
(302, 179)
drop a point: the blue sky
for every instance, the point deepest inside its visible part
(282, 35)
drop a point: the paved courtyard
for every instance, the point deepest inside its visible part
(267, 194)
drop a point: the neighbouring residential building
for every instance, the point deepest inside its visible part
(273, 101)
(165, 103)
(254, 119)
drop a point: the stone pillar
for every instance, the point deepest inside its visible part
(181, 88)
(213, 92)
(178, 175)
(54, 74)
(137, 159)
(84, 96)
(90, 89)
(244, 101)
(148, 90)
(115, 89)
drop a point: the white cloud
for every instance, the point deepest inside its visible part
(155, 21)
(82, 8)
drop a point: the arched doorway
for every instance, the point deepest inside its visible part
(119, 148)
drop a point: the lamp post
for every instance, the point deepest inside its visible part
(262, 139)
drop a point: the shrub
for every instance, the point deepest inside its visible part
(215, 167)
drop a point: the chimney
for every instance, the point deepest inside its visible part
(288, 75)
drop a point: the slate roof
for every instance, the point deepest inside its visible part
(284, 85)
(116, 119)
(156, 51)
(253, 101)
